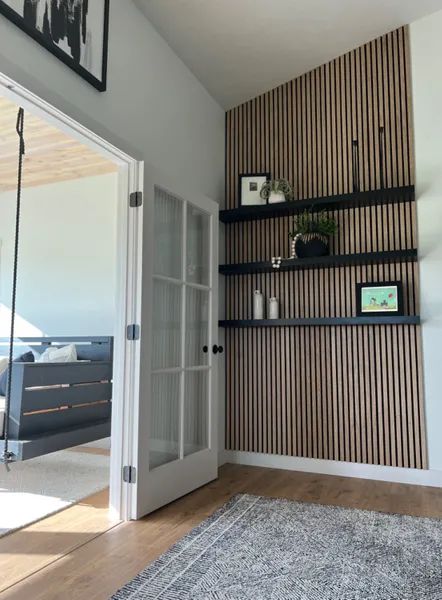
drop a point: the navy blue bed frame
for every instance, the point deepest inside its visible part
(60, 405)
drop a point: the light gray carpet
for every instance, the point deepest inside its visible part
(263, 549)
(42, 486)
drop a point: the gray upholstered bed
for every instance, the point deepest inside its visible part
(59, 405)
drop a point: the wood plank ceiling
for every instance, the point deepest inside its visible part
(51, 155)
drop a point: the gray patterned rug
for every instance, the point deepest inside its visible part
(262, 549)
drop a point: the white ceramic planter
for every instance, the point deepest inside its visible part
(276, 197)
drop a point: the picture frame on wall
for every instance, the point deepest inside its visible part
(75, 31)
(381, 299)
(250, 185)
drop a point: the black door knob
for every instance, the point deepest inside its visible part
(217, 349)
(205, 349)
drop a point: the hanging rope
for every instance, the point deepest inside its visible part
(7, 456)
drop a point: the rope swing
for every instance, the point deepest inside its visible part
(7, 456)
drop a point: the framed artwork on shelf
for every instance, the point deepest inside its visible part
(75, 31)
(385, 298)
(250, 185)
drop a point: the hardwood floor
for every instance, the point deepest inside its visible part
(81, 554)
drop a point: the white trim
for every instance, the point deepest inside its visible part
(39, 107)
(431, 478)
(127, 360)
(128, 301)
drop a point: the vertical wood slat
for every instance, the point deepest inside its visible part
(338, 393)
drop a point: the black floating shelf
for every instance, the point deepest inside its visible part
(406, 320)
(338, 202)
(339, 260)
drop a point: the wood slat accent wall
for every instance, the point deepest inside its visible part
(339, 393)
(304, 129)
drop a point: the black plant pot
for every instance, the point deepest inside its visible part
(310, 245)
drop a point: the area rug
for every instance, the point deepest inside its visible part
(36, 488)
(263, 549)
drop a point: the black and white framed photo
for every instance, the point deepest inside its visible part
(250, 185)
(380, 299)
(75, 31)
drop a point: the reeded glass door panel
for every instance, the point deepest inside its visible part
(181, 352)
(168, 245)
(196, 417)
(167, 329)
(197, 322)
(164, 440)
(198, 246)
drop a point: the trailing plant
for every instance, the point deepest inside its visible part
(308, 222)
(277, 186)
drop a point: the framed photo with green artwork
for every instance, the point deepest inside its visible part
(385, 298)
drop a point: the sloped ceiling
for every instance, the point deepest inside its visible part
(241, 48)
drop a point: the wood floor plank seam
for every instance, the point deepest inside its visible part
(58, 558)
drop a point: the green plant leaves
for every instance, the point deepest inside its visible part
(307, 222)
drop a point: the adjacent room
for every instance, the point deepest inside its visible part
(220, 300)
(64, 313)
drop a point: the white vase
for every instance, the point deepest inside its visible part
(276, 197)
(273, 311)
(258, 305)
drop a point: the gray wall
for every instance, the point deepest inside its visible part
(154, 108)
(426, 53)
(67, 260)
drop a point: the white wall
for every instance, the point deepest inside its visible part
(426, 56)
(67, 260)
(154, 107)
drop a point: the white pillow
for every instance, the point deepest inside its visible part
(4, 362)
(59, 355)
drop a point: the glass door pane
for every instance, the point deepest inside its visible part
(166, 329)
(197, 327)
(165, 422)
(196, 417)
(198, 246)
(168, 231)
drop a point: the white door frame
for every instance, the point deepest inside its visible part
(128, 301)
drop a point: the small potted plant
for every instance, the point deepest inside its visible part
(311, 234)
(276, 190)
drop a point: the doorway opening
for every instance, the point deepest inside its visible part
(77, 290)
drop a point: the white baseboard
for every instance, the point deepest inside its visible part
(431, 478)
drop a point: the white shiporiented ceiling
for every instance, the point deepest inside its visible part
(241, 48)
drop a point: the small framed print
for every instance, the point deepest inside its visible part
(250, 185)
(381, 299)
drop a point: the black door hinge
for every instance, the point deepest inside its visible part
(133, 332)
(129, 474)
(136, 199)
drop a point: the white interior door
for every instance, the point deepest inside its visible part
(177, 441)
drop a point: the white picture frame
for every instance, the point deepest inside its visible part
(250, 185)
